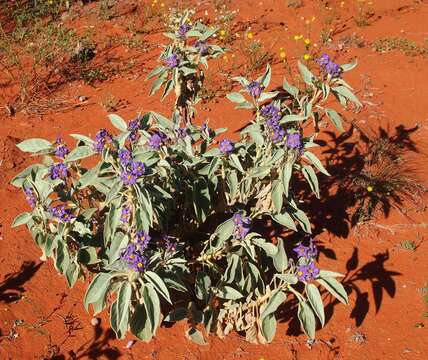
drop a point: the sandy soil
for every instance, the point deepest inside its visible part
(40, 318)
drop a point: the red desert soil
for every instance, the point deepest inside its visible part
(40, 318)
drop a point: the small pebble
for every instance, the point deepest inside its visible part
(95, 321)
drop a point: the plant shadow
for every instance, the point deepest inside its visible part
(375, 272)
(11, 288)
(96, 348)
(344, 156)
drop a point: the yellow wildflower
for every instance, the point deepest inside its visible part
(306, 56)
(250, 35)
(307, 41)
(369, 188)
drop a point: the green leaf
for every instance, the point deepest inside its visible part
(286, 175)
(335, 118)
(268, 95)
(35, 145)
(202, 286)
(307, 319)
(236, 97)
(158, 284)
(196, 336)
(265, 79)
(292, 118)
(350, 66)
(269, 327)
(280, 260)
(140, 324)
(234, 161)
(312, 179)
(97, 289)
(346, 93)
(317, 163)
(303, 220)
(290, 88)
(176, 315)
(152, 305)
(275, 301)
(118, 122)
(306, 74)
(62, 257)
(286, 220)
(277, 195)
(21, 219)
(335, 288)
(315, 300)
(229, 293)
(80, 152)
(119, 315)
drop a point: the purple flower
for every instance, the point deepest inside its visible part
(301, 250)
(226, 146)
(172, 61)
(133, 127)
(143, 239)
(272, 114)
(329, 66)
(294, 140)
(156, 140)
(61, 150)
(255, 89)
(278, 133)
(242, 226)
(62, 213)
(138, 168)
(125, 214)
(102, 138)
(30, 197)
(125, 157)
(308, 252)
(182, 133)
(134, 258)
(202, 47)
(169, 245)
(307, 272)
(128, 178)
(58, 171)
(183, 29)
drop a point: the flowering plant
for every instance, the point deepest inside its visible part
(170, 209)
(182, 62)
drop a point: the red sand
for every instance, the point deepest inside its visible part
(386, 307)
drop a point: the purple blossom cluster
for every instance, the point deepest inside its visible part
(255, 89)
(132, 170)
(329, 66)
(183, 29)
(272, 115)
(242, 225)
(133, 127)
(202, 47)
(58, 171)
(172, 61)
(102, 138)
(125, 214)
(226, 146)
(133, 254)
(61, 150)
(62, 213)
(30, 196)
(294, 140)
(307, 254)
(169, 244)
(156, 140)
